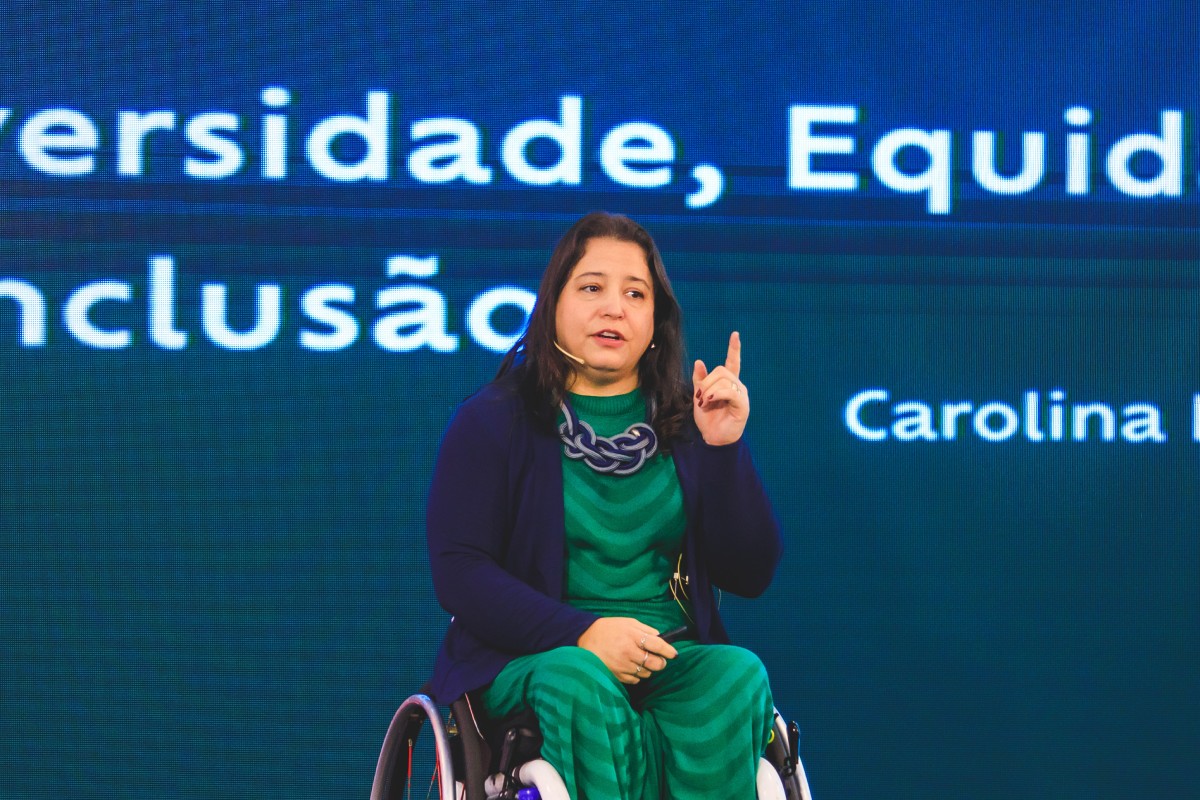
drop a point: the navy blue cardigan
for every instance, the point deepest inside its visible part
(495, 532)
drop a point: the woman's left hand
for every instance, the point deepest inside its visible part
(720, 401)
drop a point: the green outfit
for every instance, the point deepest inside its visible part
(693, 730)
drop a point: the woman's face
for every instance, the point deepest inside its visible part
(605, 317)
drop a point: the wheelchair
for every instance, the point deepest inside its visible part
(463, 761)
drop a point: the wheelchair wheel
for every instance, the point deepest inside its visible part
(412, 766)
(783, 754)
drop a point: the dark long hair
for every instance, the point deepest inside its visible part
(541, 371)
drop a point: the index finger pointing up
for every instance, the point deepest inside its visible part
(733, 360)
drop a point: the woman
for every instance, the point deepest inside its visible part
(587, 500)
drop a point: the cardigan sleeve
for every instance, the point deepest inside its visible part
(738, 535)
(468, 521)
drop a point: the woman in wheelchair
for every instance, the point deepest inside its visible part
(586, 501)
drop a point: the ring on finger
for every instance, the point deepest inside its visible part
(644, 658)
(642, 643)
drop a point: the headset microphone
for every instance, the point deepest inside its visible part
(571, 356)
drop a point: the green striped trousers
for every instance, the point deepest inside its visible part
(694, 730)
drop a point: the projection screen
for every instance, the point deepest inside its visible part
(252, 255)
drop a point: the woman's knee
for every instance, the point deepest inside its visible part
(742, 670)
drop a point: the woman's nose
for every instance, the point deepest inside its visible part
(613, 306)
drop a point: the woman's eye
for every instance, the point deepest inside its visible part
(636, 294)
(591, 287)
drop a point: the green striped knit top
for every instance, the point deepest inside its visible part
(624, 532)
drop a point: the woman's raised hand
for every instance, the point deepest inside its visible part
(631, 650)
(720, 401)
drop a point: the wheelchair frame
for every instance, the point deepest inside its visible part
(464, 756)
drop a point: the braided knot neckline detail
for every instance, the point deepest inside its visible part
(622, 454)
